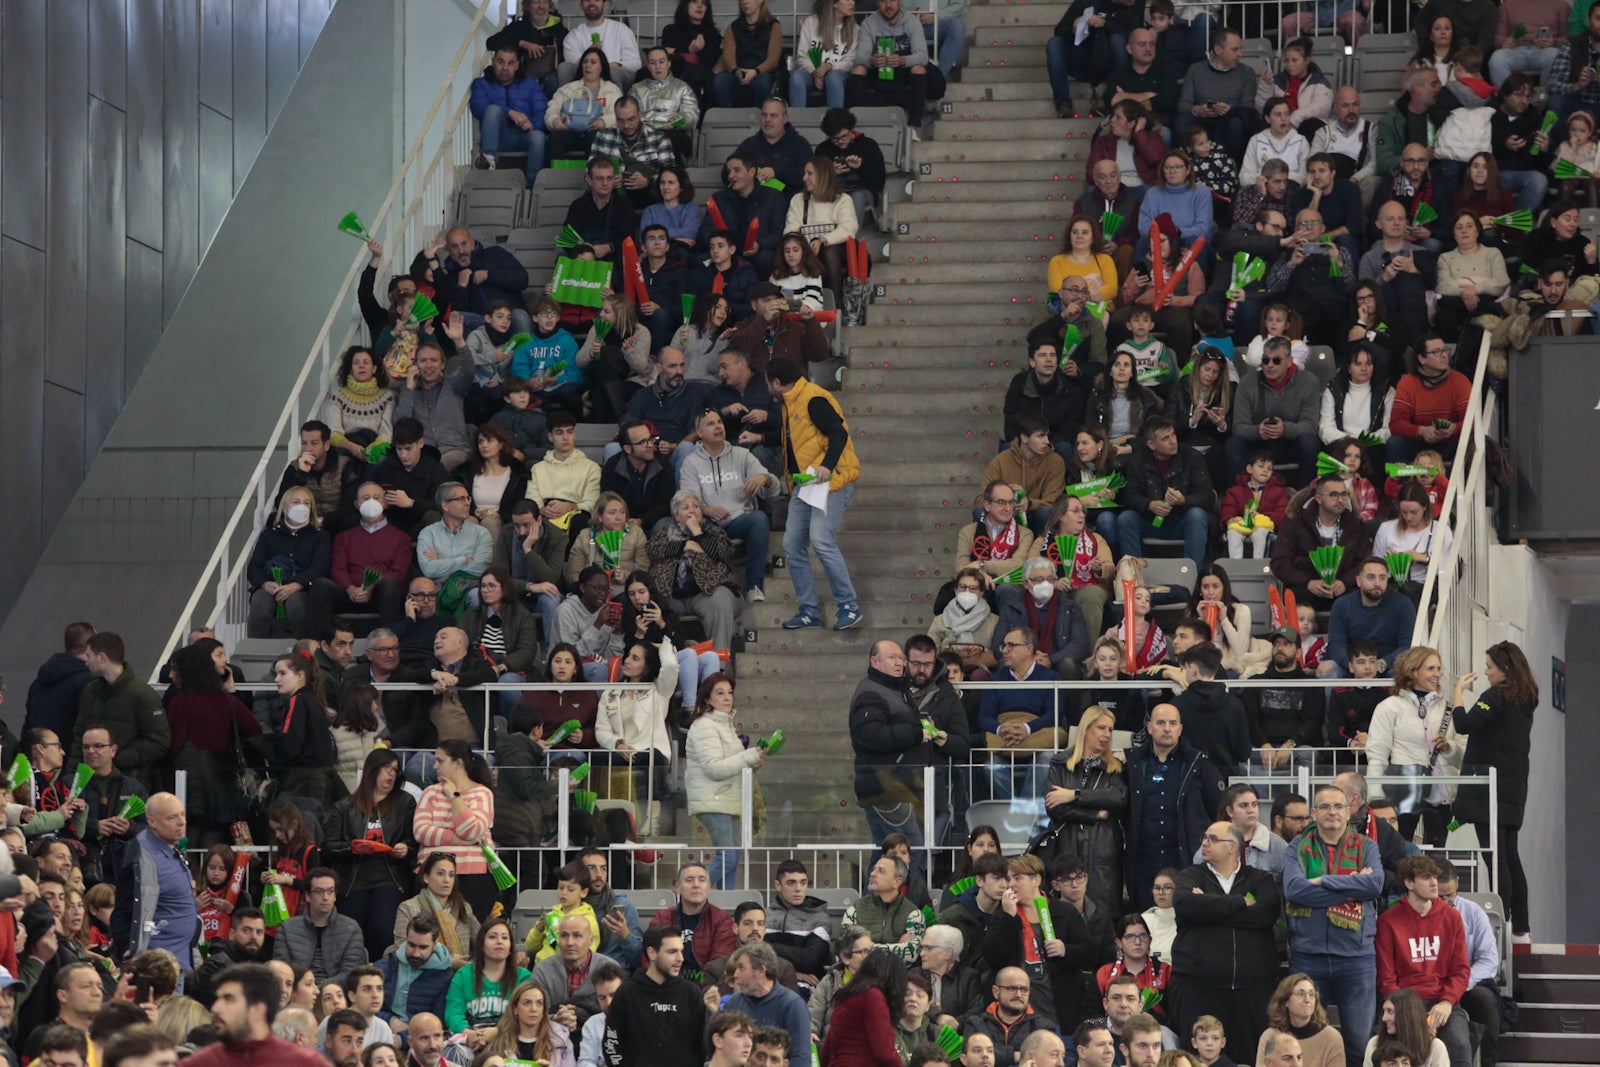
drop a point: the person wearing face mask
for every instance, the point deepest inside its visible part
(1051, 614)
(371, 545)
(289, 555)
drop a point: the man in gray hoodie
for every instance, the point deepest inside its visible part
(1219, 93)
(890, 41)
(731, 480)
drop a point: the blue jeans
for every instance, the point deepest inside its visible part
(952, 35)
(496, 134)
(1301, 450)
(724, 831)
(1528, 186)
(1055, 61)
(1351, 983)
(902, 818)
(510, 697)
(756, 529)
(816, 530)
(693, 668)
(1196, 523)
(833, 82)
(725, 87)
(548, 605)
(1526, 59)
(1105, 524)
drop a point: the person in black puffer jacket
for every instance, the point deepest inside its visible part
(290, 554)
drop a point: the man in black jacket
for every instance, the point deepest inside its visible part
(891, 751)
(242, 945)
(331, 474)
(637, 475)
(1224, 957)
(797, 923)
(107, 835)
(1282, 720)
(1009, 1020)
(753, 213)
(1173, 789)
(937, 704)
(1214, 720)
(657, 1017)
(601, 217)
(1167, 483)
(410, 479)
(476, 275)
(53, 696)
(1056, 393)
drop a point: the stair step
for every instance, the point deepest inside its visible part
(965, 112)
(956, 271)
(1559, 989)
(1032, 190)
(1013, 35)
(1529, 963)
(947, 405)
(1020, 232)
(978, 292)
(920, 359)
(1012, 14)
(1558, 1019)
(889, 381)
(1010, 74)
(916, 213)
(1550, 1048)
(863, 338)
(996, 317)
(1065, 148)
(1019, 57)
(1069, 172)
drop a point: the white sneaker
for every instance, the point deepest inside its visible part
(755, 596)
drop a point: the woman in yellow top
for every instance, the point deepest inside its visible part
(1082, 256)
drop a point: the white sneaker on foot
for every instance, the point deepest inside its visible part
(754, 595)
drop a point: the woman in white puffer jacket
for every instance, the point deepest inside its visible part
(635, 723)
(714, 759)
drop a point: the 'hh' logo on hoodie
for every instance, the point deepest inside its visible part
(1424, 949)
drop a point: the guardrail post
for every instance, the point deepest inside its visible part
(747, 809)
(563, 810)
(930, 800)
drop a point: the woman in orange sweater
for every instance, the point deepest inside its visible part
(455, 815)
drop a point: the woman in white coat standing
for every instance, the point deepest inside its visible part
(633, 724)
(1411, 737)
(715, 757)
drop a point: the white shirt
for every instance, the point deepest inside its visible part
(1227, 882)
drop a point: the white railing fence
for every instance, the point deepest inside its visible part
(413, 212)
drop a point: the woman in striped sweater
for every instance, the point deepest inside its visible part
(455, 815)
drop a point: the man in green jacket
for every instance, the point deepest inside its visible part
(886, 913)
(122, 703)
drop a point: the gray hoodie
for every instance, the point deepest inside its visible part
(907, 34)
(720, 479)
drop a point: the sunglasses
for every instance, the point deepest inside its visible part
(1273, 360)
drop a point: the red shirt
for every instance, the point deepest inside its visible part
(1426, 954)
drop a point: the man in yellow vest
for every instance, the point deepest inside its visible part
(816, 442)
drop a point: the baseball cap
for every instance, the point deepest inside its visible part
(7, 980)
(1288, 633)
(763, 290)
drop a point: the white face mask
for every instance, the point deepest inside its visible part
(967, 599)
(371, 509)
(298, 514)
(1042, 590)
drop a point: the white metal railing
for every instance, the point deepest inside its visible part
(1458, 625)
(412, 213)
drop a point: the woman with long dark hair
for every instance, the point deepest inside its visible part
(356, 728)
(303, 754)
(481, 991)
(440, 900)
(861, 1028)
(1405, 1021)
(1499, 729)
(1213, 594)
(547, 710)
(359, 407)
(204, 716)
(1369, 327)
(1359, 400)
(297, 853)
(695, 44)
(368, 838)
(455, 815)
(825, 216)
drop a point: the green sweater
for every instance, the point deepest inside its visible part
(887, 923)
(464, 1009)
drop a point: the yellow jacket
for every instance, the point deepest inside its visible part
(810, 444)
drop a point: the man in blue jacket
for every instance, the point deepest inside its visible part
(415, 978)
(510, 113)
(1332, 883)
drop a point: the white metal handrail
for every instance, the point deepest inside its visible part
(430, 177)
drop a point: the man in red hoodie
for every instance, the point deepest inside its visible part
(1422, 946)
(245, 1005)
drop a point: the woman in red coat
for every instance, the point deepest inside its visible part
(861, 1028)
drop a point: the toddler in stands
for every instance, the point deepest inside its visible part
(1279, 320)
(1435, 484)
(1313, 646)
(1253, 507)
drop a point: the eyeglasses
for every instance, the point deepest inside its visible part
(374, 649)
(1012, 988)
(1215, 840)
(1135, 937)
(1327, 807)
(1006, 646)
(424, 596)
(95, 748)
(1071, 879)
(1273, 360)
(1007, 501)
(456, 499)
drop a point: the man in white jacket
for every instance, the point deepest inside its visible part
(731, 480)
(613, 38)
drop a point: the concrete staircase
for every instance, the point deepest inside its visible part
(962, 274)
(1557, 989)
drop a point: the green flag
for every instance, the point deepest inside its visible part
(580, 281)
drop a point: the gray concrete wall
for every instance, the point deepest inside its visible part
(126, 128)
(1582, 750)
(152, 502)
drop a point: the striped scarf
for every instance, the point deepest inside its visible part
(1313, 860)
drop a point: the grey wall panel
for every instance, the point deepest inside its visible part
(108, 51)
(66, 289)
(216, 55)
(143, 146)
(63, 447)
(283, 53)
(249, 84)
(312, 14)
(143, 314)
(106, 336)
(216, 172)
(21, 402)
(23, 124)
(180, 132)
